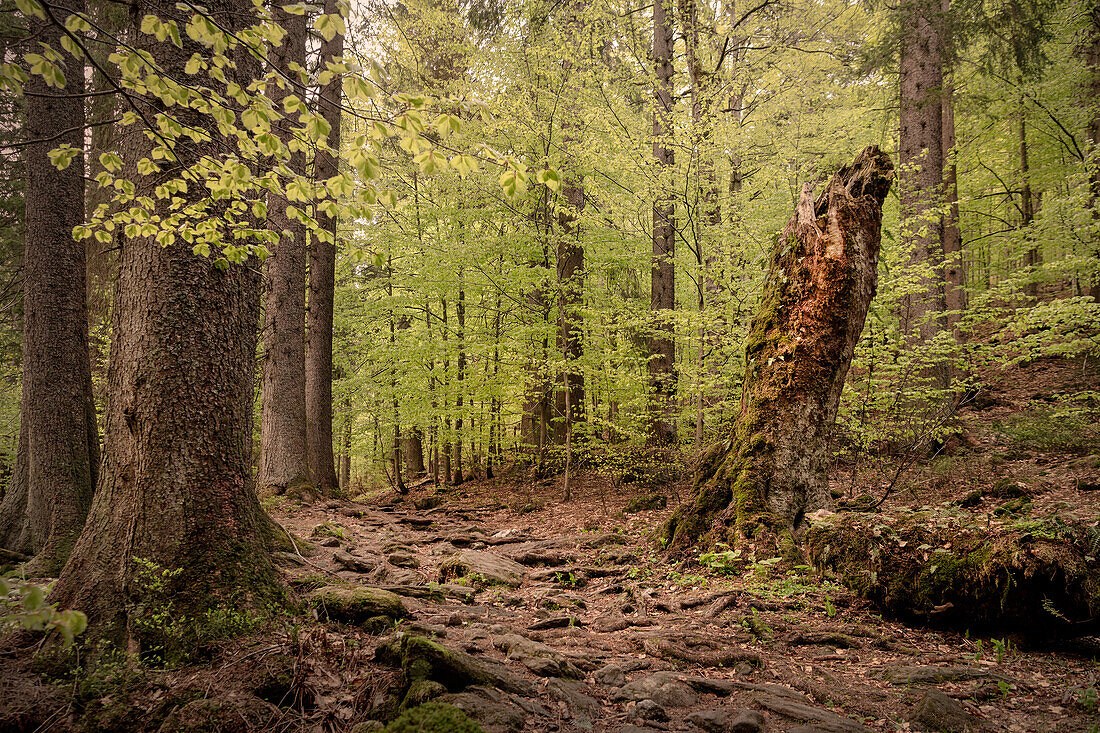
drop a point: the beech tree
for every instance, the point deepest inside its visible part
(58, 456)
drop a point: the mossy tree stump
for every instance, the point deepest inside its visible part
(769, 472)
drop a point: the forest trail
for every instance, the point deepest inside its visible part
(572, 612)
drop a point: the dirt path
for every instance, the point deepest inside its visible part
(570, 622)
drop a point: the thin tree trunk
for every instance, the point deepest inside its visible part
(954, 265)
(283, 459)
(662, 301)
(59, 442)
(345, 460)
(460, 312)
(322, 288)
(176, 486)
(1027, 204)
(921, 174)
(769, 472)
(1092, 60)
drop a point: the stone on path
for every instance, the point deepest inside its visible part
(357, 603)
(825, 720)
(938, 713)
(664, 688)
(487, 567)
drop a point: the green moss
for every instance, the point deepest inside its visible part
(434, 717)
(357, 604)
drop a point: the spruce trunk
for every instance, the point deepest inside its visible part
(283, 463)
(757, 485)
(45, 506)
(176, 487)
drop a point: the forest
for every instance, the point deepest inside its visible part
(549, 365)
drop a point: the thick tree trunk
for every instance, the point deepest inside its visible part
(176, 485)
(662, 294)
(45, 507)
(322, 288)
(920, 145)
(283, 457)
(758, 484)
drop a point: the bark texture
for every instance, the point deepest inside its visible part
(769, 472)
(662, 293)
(176, 485)
(322, 289)
(920, 146)
(954, 265)
(58, 453)
(283, 458)
(1092, 60)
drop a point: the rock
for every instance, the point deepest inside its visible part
(826, 721)
(650, 710)
(329, 542)
(559, 621)
(225, 713)
(482, 568)
(833, 639)
(663, 688)
(930, 675)
(582, 707)
(537, 657)
(712, 721)
(273, 679)
(938, 713)
(428, 502)
(603, 540)
(421, 691)
(610, 622)
(357, 563)
(403, 560)
(356, 604)
(611, 675)
(749, 721)
(423, 658)
(433, 716)
(646, 503)
(498, 712)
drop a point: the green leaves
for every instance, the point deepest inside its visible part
(23, 606)
(63, 155)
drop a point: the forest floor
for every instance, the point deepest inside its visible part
(554, 615)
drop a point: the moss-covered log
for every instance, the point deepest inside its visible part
(1033, 576)
(769, 472)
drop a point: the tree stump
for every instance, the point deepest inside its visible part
(769, 471)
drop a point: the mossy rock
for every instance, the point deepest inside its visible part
(1035, 576)
(434, 717)
(357, 604)
(646, 503)
(426, 659)
(227, 713)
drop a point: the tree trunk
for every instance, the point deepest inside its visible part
(759, 483)
(920, 145)
(322, 289)
(345, 454)
(954, 265)
(1027, 203)
(414, 454)
(1092, 60)
(460, 312)
(283, 457)
(176, 485)
(662, 298)
(59, 442)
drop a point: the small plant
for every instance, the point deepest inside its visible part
(978, 650)
(23, 606)
(1004, 688)
(1085, 697)
(830, 609)
(723, 561)
(566, 578)
(1003, 649)
(330, 529)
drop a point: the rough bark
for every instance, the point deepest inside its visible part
(176, 485)
(460, 388)
(1033, 257)
(414, 453)
(759, 483)
(920, 145)
(322, 288)
(662, 294)
(45, 506)
(1092, 60)
(954, 265)
(283, 458)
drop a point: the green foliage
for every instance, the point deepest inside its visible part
(170, 636)
(433, 717)
(23, 606)
(1069, 425)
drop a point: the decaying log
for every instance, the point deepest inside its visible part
(769, 472)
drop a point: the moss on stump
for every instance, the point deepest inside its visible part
(1034, 576)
